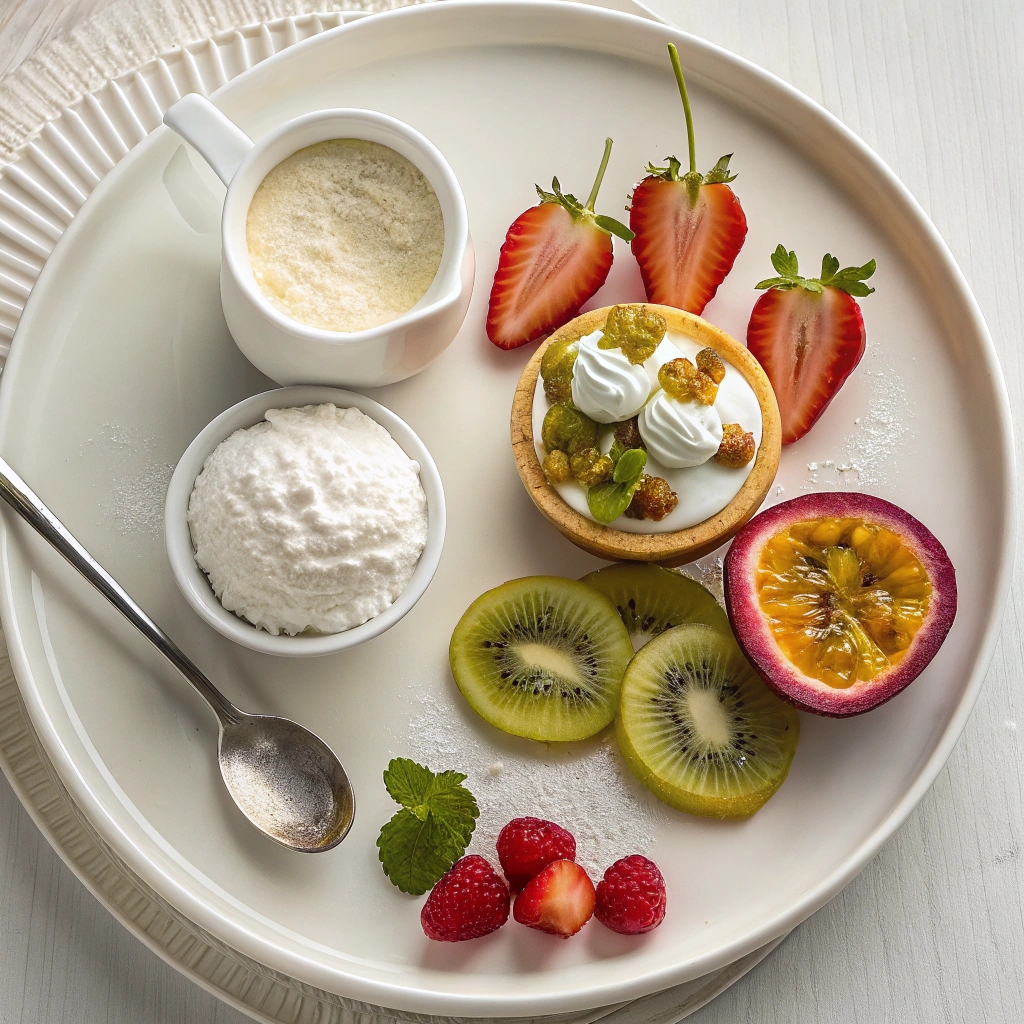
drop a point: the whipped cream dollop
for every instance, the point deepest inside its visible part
(680, 434)
(606, 385)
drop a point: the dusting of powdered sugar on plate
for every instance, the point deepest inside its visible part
(868, 454)
(137, 491)
(585, 787)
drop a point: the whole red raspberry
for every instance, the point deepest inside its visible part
(527, 845)
(631, 896)
(471, 900)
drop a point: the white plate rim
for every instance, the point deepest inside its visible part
(526, 1002)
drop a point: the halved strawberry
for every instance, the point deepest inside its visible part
(808, 334)
(560, 900)
(688, 229)
(554, 257)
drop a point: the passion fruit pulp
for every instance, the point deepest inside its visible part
(839, 600)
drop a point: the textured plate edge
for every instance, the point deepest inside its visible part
(1007, 535)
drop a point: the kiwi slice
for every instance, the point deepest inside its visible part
(542, 657)
(650, 599)
(699, 728)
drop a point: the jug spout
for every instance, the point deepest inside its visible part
(221, 143)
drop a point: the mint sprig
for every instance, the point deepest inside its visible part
(849, 279)
(431, 831)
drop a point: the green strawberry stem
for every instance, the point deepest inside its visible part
(592, 198)
(586, 213)
(677, 69)
(693, 179)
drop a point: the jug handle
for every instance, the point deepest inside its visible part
(221, 143)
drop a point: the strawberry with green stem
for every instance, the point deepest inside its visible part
(808, 335)
(554, 257)
(688, 228)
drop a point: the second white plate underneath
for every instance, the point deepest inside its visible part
(122, 357)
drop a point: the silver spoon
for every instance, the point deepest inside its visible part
(285, 780)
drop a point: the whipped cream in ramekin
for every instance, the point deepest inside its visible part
(605, 384)
(703, 490)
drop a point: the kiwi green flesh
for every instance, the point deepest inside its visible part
(700, 729)
(542, 657)
(650, 599)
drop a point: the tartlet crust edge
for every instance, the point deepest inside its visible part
(668, 549)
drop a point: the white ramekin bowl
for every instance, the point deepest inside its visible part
(193, 581)
(286, 350)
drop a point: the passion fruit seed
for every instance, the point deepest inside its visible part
(556, 467)
(627, 433)
(839, 599)
(684, 382)
(568, 430)
(653, 499)
(710, 362)
(590, 467)
(636, 329)
(737, 447)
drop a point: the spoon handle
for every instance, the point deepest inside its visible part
(26, 503)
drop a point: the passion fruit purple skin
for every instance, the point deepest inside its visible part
(751, 626)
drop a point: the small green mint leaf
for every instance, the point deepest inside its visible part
(616, 450)
(629, 466)
(613, 227)
(411, 855)
(407, 782)
(607, 501)
(422, 841)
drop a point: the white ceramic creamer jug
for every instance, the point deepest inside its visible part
(285, 349)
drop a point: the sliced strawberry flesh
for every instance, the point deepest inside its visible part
(685, 250)
(549, 265)
(560, 900)
(808, 344)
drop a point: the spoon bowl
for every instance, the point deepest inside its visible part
(287, 782)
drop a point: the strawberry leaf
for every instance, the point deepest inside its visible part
(850, 280)
(613, 227)
(431, 831)
(719, 174)
(786, 263)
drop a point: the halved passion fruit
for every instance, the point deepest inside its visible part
(839, 600)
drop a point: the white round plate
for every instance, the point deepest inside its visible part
(122, 357)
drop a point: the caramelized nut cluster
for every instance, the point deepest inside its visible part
(683, 381)
(653, 499)
(556, 467)
(737, 447)
(590, 467)
(636, 329)
(627, 433)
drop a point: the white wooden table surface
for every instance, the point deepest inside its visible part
(933, 930)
